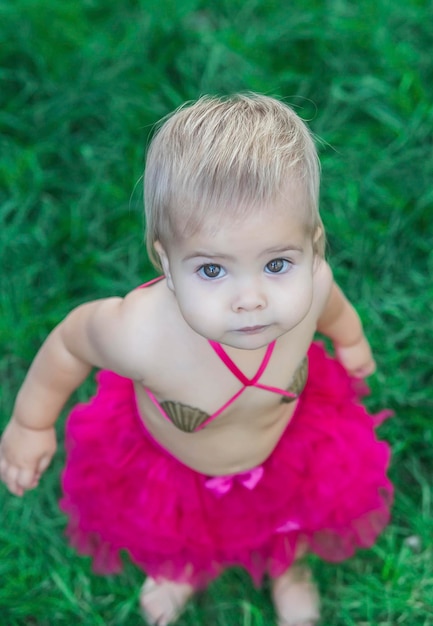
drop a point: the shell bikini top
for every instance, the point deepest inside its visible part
(190, 419)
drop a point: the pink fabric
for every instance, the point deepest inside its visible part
(325, 484)
(223, 484)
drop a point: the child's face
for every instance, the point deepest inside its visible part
(245, 284)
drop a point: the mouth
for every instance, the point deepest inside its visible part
(251, 330)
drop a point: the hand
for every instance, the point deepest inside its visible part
(25, 454)
(357, 358)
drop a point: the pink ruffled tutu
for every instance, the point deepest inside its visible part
(325, 486)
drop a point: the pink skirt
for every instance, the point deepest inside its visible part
(324, 486)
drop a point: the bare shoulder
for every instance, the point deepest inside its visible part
(322, 281)
(117, 333)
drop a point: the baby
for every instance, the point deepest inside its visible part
(220, 434)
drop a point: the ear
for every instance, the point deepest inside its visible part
(319, 241)
(318, 246)
(318, 234)
(165, 263)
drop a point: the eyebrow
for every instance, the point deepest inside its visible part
(207, 255)
(228, 257)
(282, 249)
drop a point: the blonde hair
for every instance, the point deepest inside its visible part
(226, 156)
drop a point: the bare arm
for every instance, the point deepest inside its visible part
(92, 335)
(54, 374)
(340, 322)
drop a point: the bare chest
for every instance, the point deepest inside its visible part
(242, 400)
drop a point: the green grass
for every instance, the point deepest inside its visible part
(82, 84)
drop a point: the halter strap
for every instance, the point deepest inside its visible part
(248, 382)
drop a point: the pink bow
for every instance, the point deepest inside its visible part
(288, 527)
(220, 485)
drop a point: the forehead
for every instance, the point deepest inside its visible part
(263, 233)
(208, 215)
(262, 223)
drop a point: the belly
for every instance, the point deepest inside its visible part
(233, 443)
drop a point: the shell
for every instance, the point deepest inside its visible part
(183, 416)
(298, 381)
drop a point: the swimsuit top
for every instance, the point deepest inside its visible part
(190, 419)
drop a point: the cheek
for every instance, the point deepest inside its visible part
(297, 300)
(199, 311)
(203, 321)
(306, 293)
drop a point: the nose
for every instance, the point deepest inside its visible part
(249, 297)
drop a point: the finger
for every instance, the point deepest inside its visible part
(43, 464)
(3, 466)
(26, 479)
(11, 480)
(369, 369)
(366, 370)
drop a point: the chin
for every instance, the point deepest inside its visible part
(249, 342)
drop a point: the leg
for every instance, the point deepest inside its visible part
(295, 597)
(162, 602)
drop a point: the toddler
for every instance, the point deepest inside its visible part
(220, 434)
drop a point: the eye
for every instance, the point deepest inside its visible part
(277, 266)
(211, 270)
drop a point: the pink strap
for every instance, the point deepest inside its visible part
(151, 282)
(234, 368)
(247, 382)
(239, 375)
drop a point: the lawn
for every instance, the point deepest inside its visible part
(82, 84)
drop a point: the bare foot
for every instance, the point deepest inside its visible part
(295, 597)
(163, 602)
